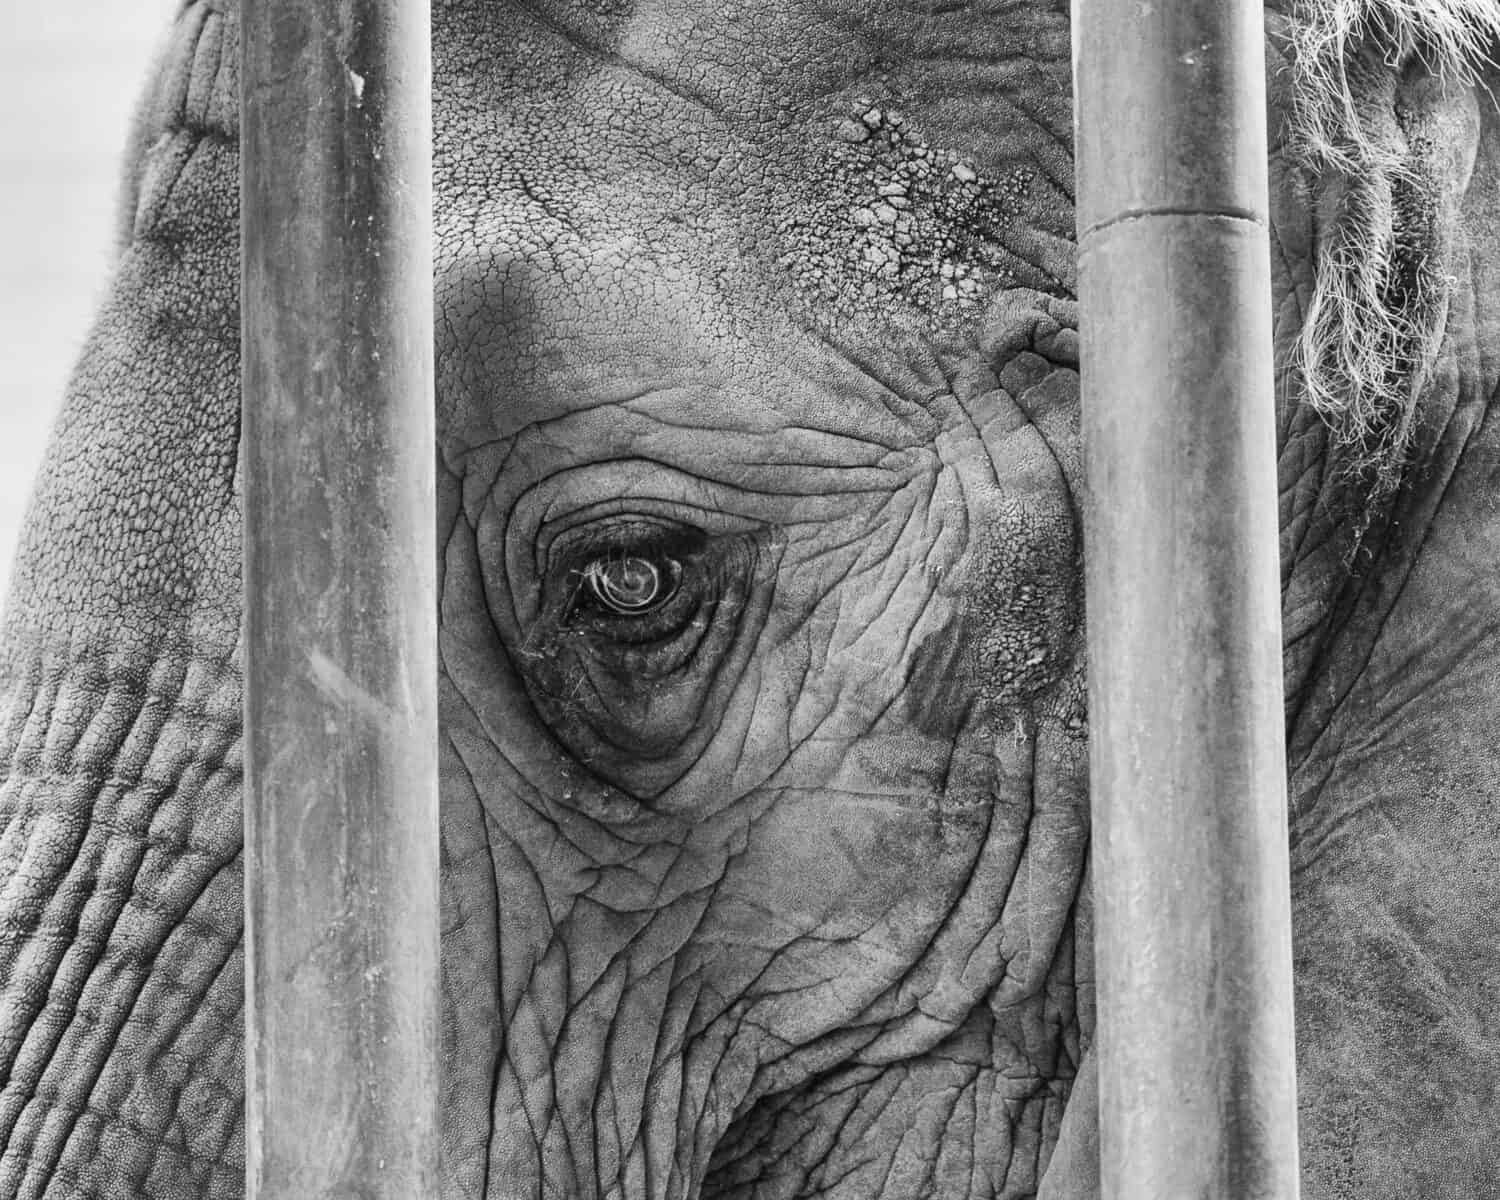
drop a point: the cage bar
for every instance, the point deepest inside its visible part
(1196, 1073)
(341, 858)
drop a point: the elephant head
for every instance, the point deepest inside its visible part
(763, 736)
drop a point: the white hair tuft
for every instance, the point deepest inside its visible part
(1374, 326)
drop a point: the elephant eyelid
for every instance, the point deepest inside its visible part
(626, 534)
(579, 504)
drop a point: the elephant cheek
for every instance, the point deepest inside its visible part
(471, 1011)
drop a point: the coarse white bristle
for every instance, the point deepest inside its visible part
(1374, 325)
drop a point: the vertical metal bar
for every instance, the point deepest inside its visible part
(1195, 1037)
(340, 691)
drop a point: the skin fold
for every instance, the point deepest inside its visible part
(772, 884)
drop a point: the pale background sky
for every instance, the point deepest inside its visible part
(70, 72)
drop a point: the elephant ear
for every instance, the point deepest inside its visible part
(1375, 127)
(120, 891)
(1374, 130)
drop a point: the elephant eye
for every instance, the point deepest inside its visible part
(637, 583)
(631, 585)
(641, 632)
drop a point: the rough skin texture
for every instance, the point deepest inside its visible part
(776, 888)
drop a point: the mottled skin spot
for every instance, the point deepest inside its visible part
(775, 888)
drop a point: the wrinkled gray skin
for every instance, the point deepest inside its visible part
(779, 890)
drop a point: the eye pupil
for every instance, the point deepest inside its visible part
(627, 585)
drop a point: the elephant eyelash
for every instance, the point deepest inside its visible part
(588, 602)
(609, 581)
(625, 536)
(676, 555)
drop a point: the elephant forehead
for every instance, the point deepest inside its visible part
(541, 332)
(621, 346)
(762, 59)
(878, 161)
